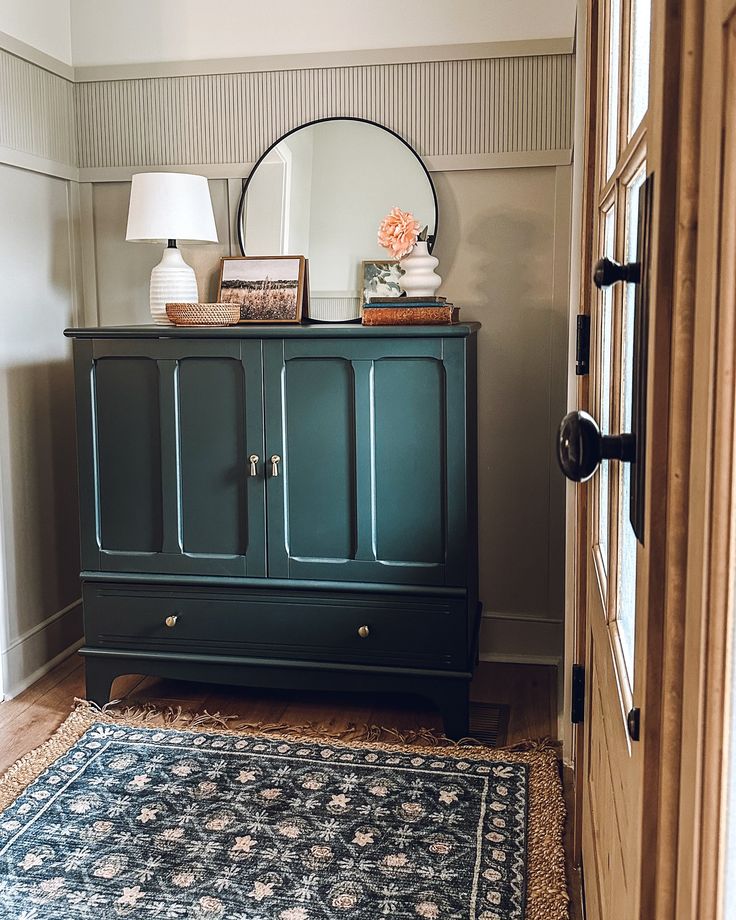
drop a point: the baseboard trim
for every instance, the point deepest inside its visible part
(512, 658)
(521, 617)
(29, 656)
(522, 638)
(44, 624)
(44, 669)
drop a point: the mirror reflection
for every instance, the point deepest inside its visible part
(322, 192)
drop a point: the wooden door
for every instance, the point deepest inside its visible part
(166, 427)
(631, 595)
(614, 612)
(372, 440)
(655, 835)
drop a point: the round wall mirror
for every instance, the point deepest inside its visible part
(321, 191)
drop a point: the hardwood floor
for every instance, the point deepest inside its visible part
(30, 718)
(529, 690)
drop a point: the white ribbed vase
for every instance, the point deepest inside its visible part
(420, 278)
(172, 281)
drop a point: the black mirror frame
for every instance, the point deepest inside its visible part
(431, 239)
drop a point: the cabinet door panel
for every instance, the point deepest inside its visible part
(212, 449)
(362, 430)
(409, 457)
(168, 431)
(321, 485)
(129, 451)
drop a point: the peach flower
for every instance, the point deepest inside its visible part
(398, 232)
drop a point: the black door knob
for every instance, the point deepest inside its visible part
(607, 272)
(633, 723)
(581, 446)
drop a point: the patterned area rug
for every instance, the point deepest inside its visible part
(114, 817)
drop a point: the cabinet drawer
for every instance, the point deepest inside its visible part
(402, 630)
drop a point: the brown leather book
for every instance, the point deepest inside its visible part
(411, 316)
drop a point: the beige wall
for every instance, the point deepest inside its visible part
(139, 31)
(40, 616)
(503, 250)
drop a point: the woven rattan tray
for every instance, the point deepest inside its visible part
(203, 314)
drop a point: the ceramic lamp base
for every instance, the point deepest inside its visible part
(172, 281)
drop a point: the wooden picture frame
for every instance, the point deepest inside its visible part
(264, 299)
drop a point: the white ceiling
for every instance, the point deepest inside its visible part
(140, 31)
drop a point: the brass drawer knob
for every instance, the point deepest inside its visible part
(363, 632)
(171, 620)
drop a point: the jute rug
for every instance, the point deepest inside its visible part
(146, 815)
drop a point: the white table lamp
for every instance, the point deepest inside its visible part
(171, 206)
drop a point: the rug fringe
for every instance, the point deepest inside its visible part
(547, 897)
(146, 713)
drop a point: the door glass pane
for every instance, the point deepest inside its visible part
(604, 407)
(614, 81)
(639, 62)
(626, 595)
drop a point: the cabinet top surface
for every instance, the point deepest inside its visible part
(271, 331)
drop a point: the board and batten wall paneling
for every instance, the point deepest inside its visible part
(40, 610)
(37, 118)
(471, 108)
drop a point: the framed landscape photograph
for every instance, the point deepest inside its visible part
(269, 289)
(381, 278)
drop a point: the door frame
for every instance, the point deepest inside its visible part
(577, 582)
(674, 107)
(707, 669)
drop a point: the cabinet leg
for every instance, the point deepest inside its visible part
(454, 706)
(98, 678)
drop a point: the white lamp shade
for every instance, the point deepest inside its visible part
(170, 206)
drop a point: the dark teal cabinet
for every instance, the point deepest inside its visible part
(280, 506)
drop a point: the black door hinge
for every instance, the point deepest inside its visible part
(633, 723)
(577, 708)
(582, 345)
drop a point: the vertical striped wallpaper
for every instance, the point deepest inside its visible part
(443, 108)
(37, 114)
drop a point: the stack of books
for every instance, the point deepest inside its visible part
(409, 311)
